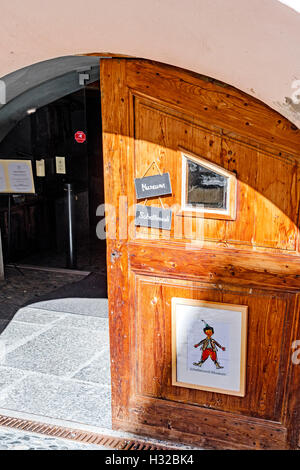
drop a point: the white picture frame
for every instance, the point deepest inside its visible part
(197, 210)
(204, 360)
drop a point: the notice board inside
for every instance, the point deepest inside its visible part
(16, 177)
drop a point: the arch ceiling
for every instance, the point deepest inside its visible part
(40, 84)
(252, 45)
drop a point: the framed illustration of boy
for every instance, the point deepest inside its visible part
(209, 342)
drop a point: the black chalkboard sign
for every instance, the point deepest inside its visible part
(154, 217)
(153, 186)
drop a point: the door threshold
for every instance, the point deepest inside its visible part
(84, 434)
(49, 269)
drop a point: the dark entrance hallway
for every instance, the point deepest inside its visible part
(38, 234)
(54, 342)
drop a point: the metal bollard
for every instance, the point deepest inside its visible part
(71, 233)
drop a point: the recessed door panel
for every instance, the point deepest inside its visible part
(264, 349)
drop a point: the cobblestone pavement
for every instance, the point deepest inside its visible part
(18, 440)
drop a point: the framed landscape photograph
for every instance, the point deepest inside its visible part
(209, 342)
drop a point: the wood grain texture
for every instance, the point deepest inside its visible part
(270, 183)
(205, 428)
(291, 405)
(221, 265)
(116, 145)
(153, 363)
(216, 103)
(150, 111)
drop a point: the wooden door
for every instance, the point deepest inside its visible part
(156, 113)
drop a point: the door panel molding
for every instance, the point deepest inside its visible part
(234, 267)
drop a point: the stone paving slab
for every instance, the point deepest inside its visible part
(39, 317)
(98, 371)
(3, 325)
(45, 395)
(82, 321)
(19, 440)
(60, 350)
(15, 333)
(8, 309)
(54, 361)
(9, 376)
(57, 367)
(90, 307)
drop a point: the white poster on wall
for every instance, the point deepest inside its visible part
(16, 177)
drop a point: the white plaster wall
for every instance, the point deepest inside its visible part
(251, 44)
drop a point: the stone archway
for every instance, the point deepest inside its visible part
(251, 45)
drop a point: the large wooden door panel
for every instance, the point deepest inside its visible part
(153, 113)
(212, 104)
(222, 265)
(204, 427)
(268, 314)
(265, 179)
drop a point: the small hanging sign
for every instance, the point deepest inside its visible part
(153, 217)
(153, 186)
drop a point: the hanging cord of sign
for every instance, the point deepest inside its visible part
(150, 166)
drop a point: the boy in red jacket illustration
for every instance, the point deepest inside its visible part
(209, 347)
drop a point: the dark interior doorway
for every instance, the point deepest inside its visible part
(39, 222)
(64, 312)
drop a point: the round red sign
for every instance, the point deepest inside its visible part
(80, 137)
